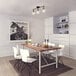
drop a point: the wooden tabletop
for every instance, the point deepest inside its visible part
(41, 48)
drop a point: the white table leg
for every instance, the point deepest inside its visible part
(39, 62)
(56, 58)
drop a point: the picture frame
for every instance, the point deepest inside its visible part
(19, 31)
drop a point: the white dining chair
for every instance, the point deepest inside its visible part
(16, 53)
(17, 57)
(26, 56)
(50, 44)
(62, 47)
(60, 55)
(27, 59)
(50, 51)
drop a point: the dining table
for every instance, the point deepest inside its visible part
(40, 49)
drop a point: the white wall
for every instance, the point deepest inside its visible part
(72, 22)
(68, 40)
(62, 39)
(36, 29)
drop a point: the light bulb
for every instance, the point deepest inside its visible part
(38, 9)
(38, 12)
(33, 13)
(43, 10)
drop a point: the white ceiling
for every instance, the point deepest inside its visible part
(24, 7)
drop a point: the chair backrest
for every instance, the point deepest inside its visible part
(24, 54)
(51, 44)
(62, 47)
(16, 51)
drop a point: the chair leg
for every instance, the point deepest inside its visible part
(60, 59)
(44, 58)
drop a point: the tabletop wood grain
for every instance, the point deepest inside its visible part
(41, 48)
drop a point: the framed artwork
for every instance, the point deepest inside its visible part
(19, 31)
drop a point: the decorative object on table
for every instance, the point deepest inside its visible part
(45, 43)
(29, 41)
(19, 31)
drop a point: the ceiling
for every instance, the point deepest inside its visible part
(24, 7)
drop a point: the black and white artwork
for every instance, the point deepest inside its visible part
(19, 31)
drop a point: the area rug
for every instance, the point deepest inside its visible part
(32, 70)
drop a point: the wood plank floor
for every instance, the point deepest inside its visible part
(6, 68)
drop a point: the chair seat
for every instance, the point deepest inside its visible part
(48, 52)
(18, 57)
(29, 60)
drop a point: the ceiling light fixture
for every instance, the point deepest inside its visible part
(38, 9)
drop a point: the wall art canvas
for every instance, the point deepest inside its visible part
(19, 31)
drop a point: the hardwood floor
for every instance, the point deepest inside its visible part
(71, 63)
(6, 68)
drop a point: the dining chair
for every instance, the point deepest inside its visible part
(48, 53)
(51, 51)
(60, 57)
(25, 54)
(17, 57)
(16, 53)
